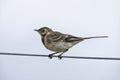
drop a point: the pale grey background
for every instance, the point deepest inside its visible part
(18, 18)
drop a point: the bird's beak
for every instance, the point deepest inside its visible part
(35, 30)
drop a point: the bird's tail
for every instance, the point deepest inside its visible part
(96, 37)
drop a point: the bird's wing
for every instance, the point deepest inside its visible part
(70, 38)
(55, 36)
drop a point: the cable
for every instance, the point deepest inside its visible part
(73, 57)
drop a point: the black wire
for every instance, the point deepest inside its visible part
(75, 57)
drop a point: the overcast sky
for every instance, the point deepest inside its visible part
(84, 18)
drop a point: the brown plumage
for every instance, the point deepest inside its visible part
(59, 42)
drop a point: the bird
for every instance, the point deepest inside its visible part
(59, 42)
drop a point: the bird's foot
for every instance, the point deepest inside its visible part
(50, 56)
(59, 56)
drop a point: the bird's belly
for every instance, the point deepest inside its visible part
(59, 47)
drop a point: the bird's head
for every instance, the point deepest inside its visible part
(43, 31)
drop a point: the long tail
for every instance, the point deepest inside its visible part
(96, 37)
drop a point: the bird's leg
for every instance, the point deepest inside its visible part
(60, 56)
(51, 55)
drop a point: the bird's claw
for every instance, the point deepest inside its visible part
(59, 57)
(50, 56)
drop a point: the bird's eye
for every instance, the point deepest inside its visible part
(43, 31)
